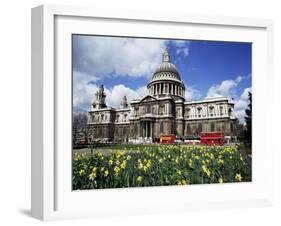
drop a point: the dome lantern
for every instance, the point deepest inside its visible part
(166, 56)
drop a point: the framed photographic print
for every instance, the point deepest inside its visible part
(142, 113)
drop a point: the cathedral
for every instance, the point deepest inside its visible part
(163, 111)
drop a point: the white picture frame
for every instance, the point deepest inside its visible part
(52, 197)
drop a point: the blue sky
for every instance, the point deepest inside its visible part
(125, 65)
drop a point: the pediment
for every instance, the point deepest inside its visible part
(148, 98)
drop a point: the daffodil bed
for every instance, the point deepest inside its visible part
(157, 166)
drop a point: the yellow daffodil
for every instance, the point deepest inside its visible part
(145, 168)
(123, 165)
(92, 176)
(140, 165)
(106, 173)
(116, 170)
(182, 182)
(206, 170)
(139, 178)
(238, 177)
(190, 163)
(82, 172)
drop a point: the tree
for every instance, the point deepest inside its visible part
(79, 125)
(248, 120)
(79, 121)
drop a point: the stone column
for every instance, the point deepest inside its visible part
(145, 129)
(148, 129)
(151, 130)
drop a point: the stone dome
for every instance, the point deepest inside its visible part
(166, 70)
(166, 80)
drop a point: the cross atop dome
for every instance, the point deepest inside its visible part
(166, 56)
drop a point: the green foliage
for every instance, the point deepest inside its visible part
(159, 166)
(248, 120)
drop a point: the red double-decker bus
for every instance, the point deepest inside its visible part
(212, 138)
(167, 139)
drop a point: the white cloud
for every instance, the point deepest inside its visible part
(97, 57)
(102, 56)
(239, 78)
(84, 95)
(245, 94)
(83, 91)
(182, 47)
(116, 93)
(192, 93)
(241, 104)
(225, 89)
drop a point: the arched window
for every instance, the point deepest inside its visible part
(187, 112)
(162, 109)
(161, 127)
(231, 127)
(148, 108)
(211, 110)
(221, 110)
(212, 126)
(199, 127)
(199, 112)
(188, 129)
(229, 111)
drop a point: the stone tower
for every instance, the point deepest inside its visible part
(100, 99)
(124, 103)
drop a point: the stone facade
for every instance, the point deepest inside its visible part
(163, 111)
